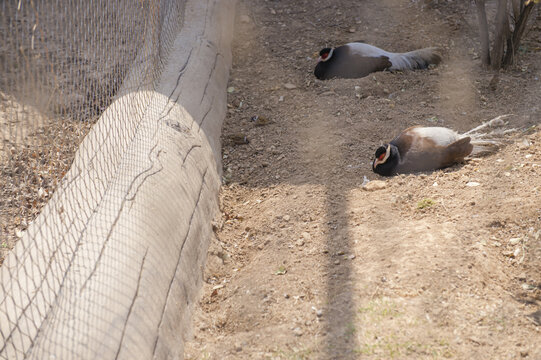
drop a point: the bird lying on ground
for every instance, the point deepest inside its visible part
(421, 148)
(357, 59)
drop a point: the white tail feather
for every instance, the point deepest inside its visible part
(494, 123)
(418, 59)
(485, 143)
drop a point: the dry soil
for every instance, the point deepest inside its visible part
(308, 265)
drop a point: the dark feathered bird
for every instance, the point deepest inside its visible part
(421, 148)
(356, 60)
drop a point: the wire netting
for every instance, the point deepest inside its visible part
(62, 64)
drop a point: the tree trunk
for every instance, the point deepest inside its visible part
(483, 31)
(514, 40)
(500, 38)
(517, 8)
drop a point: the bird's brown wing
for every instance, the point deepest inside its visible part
(420, 154)
(456, 152)
(424, 155)
(405, 140)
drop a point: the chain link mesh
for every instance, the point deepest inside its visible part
(62, 65)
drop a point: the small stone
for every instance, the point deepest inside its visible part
(340, 252)
(319, 313)
(261, 120)
(336, 262)
(352, 30)
(42, 192)
(290, 86)
(238, 347)
(286, 217)
(524, 144)
(245, 19)
(281, 270)
(351, 257)
(306, 236)
(299, 242)
(297, 331)
(365, 181)
(514, 241)
(239, 139)
(237, 103)
(273, 12)
(472, 184)
(230, 89)
(528, 287)
(375, 185)
(286, 296)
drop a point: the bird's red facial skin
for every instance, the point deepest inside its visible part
(324, 56)
(381, 157)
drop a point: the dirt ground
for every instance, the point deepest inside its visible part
(308, 265)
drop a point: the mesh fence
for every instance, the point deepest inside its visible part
(65, 65)
(62, 64)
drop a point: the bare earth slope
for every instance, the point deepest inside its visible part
(308, 265)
